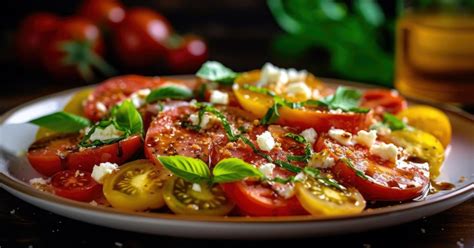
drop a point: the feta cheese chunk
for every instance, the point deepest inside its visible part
(138, 98)
(267, 169)
(207, 120)
(279, 77)
(219, 97)
(39, 180)
(309, 135)
(265, 141)
(110, 132)
(385, 151)
(299, 89)
(196, 187)
(365, 138)
(285, 190)
(340, 136)
(99, 172)
(300, 177)
(101, 107)
(321, 160)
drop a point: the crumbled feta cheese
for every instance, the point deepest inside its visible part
(207, 120)
(365, 138)
(384, 151)
(219, 97)
(285, 190)
(267, 169)
(196, 187)
(316, 94)
(336, 111)
(383, 130)
(309, 135)
(101, 107)
(300, 177)
(265, 141)
(279, 77)
(110, 132)
(39, 180)
(138, 98)
(340, 136)
(99, 172)
(299, 89)
(321, 160)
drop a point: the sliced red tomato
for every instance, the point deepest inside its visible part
(76, 185)
(381, 101)
(374, 178)
(59, 152)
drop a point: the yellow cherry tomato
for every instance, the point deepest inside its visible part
(430, 120)
(319, 199)
(136, 186)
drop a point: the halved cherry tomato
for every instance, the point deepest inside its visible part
(140, 38)
(75, 185)
(383, 101)
(58, 152)
(104, 13)
(73, 49)
(136, 186)
(32, 34)
(319, 199)
(304, 117)
(374, 178)
(184, 198)
(188, 56)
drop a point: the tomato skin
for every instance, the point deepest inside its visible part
(189, 56)
(76, 185)
(140, 38)
(104, 13)
(117, 153)
(256, 200)
(385, 188)
(32, 34)
(383, 101)
(72, 29)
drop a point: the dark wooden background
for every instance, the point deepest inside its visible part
(239, 34)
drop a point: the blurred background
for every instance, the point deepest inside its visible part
(352, 40)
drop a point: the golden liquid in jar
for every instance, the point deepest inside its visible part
(435, 57)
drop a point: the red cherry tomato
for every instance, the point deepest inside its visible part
(104, 13)
(383, 101)
(140, 38)
(74, 49)
(382, 180)
(31, 36)
(76, 185)
(188, 56)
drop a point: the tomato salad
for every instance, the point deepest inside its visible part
(268, 142)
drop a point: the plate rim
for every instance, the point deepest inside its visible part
(17, 185)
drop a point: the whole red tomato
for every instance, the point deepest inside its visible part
(74, 49)
(32, 33)
(105, 13)
(141, 37)
(188, 56)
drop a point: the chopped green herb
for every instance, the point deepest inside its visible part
(272, 114)
(358, 172)
(345, 99)
(393, 122)
(217, 72)
(298, 138)
(169, 92)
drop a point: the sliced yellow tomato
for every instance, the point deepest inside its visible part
(430, 120)
(319, 199)
(304, 117)
(136, 186)
(422, 147)
(187, 198)
(74, 106)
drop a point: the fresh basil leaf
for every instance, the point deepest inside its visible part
(272, 114)
(234, 169)
(221, 117)
(62, 122)
(359, 173)
(287, 166)
(170, 92)
(345, 99)
(259, 90)
(312, 172)
(190, 169)
(217, 72)
(127, 117)
(298, 138)
(393, 122)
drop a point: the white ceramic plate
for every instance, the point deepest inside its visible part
(15, 137)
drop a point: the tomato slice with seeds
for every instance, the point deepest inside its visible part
(374, 178)
(75, 185)
(381, 101)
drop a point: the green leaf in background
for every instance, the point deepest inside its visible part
(170, 92)
(62, 122)
(127, 117)
(370, 11)
(190, 169)
(216, 72)
(234, 169)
